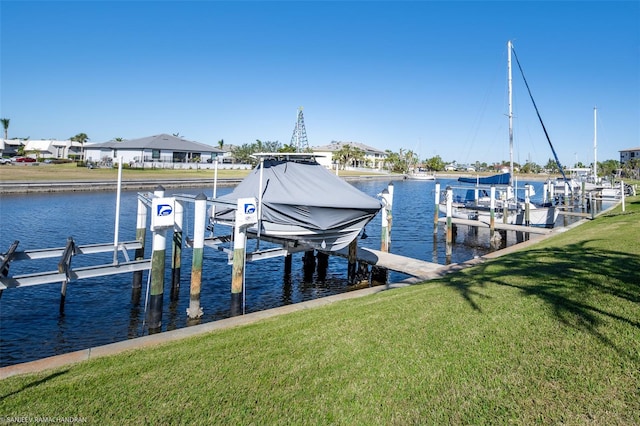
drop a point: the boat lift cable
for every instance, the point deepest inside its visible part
(539, 117)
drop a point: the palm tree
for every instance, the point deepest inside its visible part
(81, 138)
(5, 124)
(221, 143)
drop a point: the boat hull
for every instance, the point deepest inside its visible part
(538, 216)
(332, 239)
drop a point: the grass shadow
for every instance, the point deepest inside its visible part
(34, 384)
(583, 286)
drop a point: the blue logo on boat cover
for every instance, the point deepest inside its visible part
(164, 210)
(249, 208)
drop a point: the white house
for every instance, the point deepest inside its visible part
(41, 148)
(160, 151)
(373, 158)
(629, 154)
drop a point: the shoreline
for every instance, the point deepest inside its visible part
(56, 186)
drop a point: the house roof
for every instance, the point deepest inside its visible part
(161, 141)
(336, 145)
(630, 149)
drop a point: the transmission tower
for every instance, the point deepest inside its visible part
(299, 138)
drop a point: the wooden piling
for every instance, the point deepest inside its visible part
(323, 265)
(237, 275)
(352, 261)
(158, 257)
(308, 265)
(200, 212)
(527, 198)
(141, 234)
(387, 218)
(449, 223)
(436, 209)
(287, 264)
(492, 213)
(622, 195)
(176, 250)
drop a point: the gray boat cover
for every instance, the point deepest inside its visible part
(302, 193)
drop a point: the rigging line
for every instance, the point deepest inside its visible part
(539, 117)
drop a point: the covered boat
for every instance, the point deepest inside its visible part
(300, 202)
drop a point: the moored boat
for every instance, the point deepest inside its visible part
(301, 203)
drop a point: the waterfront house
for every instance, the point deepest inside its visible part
(629, 155)
(158, 151)
(373, 158)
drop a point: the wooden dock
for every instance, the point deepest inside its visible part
(393, 262)
(499, 225)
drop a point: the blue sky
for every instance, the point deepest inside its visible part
(425, 76)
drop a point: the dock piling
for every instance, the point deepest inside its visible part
(141, 234)
(387, 199)
(158, 257)
(195, 310)
(449, 223)
(176, 250)
(436, 209)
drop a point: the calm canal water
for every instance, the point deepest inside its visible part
(100, 311)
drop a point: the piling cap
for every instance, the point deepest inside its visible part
(201, 196)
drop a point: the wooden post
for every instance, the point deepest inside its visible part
(246, 215)
(323, 265)
(492, 213)
(141, 234)
(308, 265)
(436, 210)
(199, 225)
(159, 249)
(352, 260)
(505, 208)
(237, 275)
(287, 264)
(566, 194)
(527, 213)
(449, 224)
(385, 239)
(176, 250)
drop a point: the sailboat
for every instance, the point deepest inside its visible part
(476, 203)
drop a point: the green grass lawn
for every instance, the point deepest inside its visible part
(549, 334)
(70, 171)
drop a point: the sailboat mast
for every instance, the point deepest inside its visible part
(595, 146)
(510, 112)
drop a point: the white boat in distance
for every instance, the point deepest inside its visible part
(475, 204)
(300, 203)
(420, 174)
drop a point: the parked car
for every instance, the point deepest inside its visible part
(24, 160)
(5, 160)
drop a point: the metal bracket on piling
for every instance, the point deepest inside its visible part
(64, 266)
(6, 258)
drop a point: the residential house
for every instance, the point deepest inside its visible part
(629, 155)
(160, 151)
(373, 158)
(41, 148)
